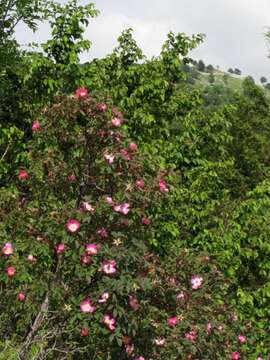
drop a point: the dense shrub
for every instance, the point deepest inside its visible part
(78, 275)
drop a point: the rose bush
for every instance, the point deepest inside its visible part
(79, 276)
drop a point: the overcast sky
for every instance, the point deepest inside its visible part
(234, 29)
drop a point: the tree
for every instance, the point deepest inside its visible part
(230, 70)
(263, 80)
(201, 66)
(237, 71)
(211, 78)
(209, 68)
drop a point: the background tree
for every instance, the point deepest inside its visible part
(201, 66)
(263, 80)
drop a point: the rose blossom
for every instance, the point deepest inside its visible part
(109, 321)
(191, 336)
(87, 306)
(235, 355)
(86, 260)
(103, 233)
(72, 178)
(21, 296)
(116, 122)
(173, 321)
(140, 358)
(159, 341)
(81, 92)
(101, 107)
(84, 331)
(163, 186)
(146, 221)
(109, 158)
(7, 249)
(87, 207)
(60, 248)
(133, 146)
(122, 208)
(140, 184)
(109, 200)
(125, 154)
(36, 126)
(23, 175)
(133, 303)
(31, 258)
(11, 271)
(104, 298)
(109, 266)
(73, 225)
(196, 282)
(92, 249)
(180, 296)
(242, 338)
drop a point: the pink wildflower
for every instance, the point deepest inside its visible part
(104, 298)
(103, 233)
(134, 304)
(191, 336)
(116, 122)
(125, 154)
(59, 248)
(11, 271)
(242, 338)
(235, 355)
(72, 178)
(92, 249)
(159, 342)
(173, 321)
(101, 107)
(82, 92)
(36, 126)
(129, 349)
(109, 200)
(87, 306)
(140, 358)
(146, 221)
(86, 260)
(109, 158)
(196, 282)
(7, 249)
(109, 321)
(73, 225)
(87, 207)
(163, 186)
(180, 296)
(109, 266)
(133, 146)
(31, 258)
(208, 328)
(140, 184)
(23, 175)
(21, 296)
(122, 208)
(84, 332)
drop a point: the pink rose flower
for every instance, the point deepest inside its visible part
(92, 249)
(103, 233)
(84, 332)
(196, 282)
(23, 175)
(173, 321)
(21, 296)
(7, 249)
(146, 221)
(191, 336)
(71, 178)
(36, 126)
(81, 92)
(87, 306)
(31, 258)
(109, 158)
(133, 303)
(73, 225)
(117, 122)
(109, 200)
(11, 271)
(242, 338)
(140, 184)
(159, 342)
(101, 107)
(180, 296)
(86, 260)
(109, 267)
(125, 154)
(87, 207)
(235, 355)
(163, 186)
(140, 358)
(122, 208)
(59, 248)
(109, 322)
(133, 146)
(104, 298)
